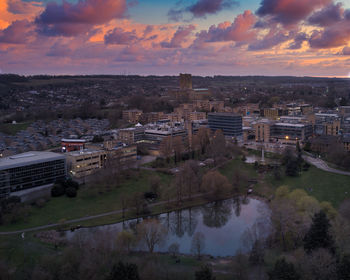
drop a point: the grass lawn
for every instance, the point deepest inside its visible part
(12, 129)
(238, 165)
(324, 186)
(85, 204)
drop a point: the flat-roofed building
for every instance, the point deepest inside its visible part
(70, 145)
(30, 170)
(132, 116)
(85, 162)
(291, 132)
(273, 113)
(229, 123)
(263, 130)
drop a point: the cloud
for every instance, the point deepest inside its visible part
(299, 39)
(179, 37)
(23, 8)
(272, 39)
(327, 16)
(68, 19)
(16, 33)
(118, 36)
(346, 51)
(59, 50)
(289, 12)
(336, 35)
(201, 8)
(240, 30)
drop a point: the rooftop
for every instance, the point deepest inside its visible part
(27, 159)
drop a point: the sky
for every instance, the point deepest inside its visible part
(168, 37)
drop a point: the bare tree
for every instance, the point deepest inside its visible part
(215, 183)
(166, 148)
(198, 244)
(125, 241)
(151, 233)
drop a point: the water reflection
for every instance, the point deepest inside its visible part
(228, 226)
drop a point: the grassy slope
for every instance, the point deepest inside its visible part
(85, 204)
(324, 186)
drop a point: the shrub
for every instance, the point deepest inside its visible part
(57, 190)
(71, 192)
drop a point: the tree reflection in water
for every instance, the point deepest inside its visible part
(216, 214)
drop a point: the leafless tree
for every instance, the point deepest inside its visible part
(151, 233)
(198, 244)
(215, 183)
(125, 241)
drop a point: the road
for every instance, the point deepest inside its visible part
(319, 163)
(90, 217)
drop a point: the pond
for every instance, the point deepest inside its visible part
(254, 158)
(228, 226)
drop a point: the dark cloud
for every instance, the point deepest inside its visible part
(17, 32)
(299, 39)
(201, 8)
(346, 51)
(327, 16)
(118, 36)
(272, 39)
(289, 12)
(68, 19)
(336, 35)
(179, 37)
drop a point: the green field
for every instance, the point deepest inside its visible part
(85, 204)
(324, 186)
(12, 129)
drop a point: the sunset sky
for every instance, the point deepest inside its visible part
(161, 37)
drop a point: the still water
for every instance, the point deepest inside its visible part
(228, 226)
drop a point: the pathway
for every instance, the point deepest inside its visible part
(319, 163)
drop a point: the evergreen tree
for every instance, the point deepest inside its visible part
(318, 235)
(204, 274)
(121, 271)
(283, 270)
(343, 268)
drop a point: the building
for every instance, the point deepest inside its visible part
(85, 162)
(326, 124)
(273, 113)
(185, 81)
(322, 143)
(123, 152)
(131, 135)
(132, 116)
(70, 145)
(30, 170)
(229, 123)
(263, 130)
(196, 116)
(290, 132)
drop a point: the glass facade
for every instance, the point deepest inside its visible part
(31, 175)
(230, 124)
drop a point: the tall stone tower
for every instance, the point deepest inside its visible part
(185, 81)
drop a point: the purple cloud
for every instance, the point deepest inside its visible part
(118, 36)
(327, 16)
(179, 37)
(68, 19)
(289, 12)
(201, 8)
(16, 33)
